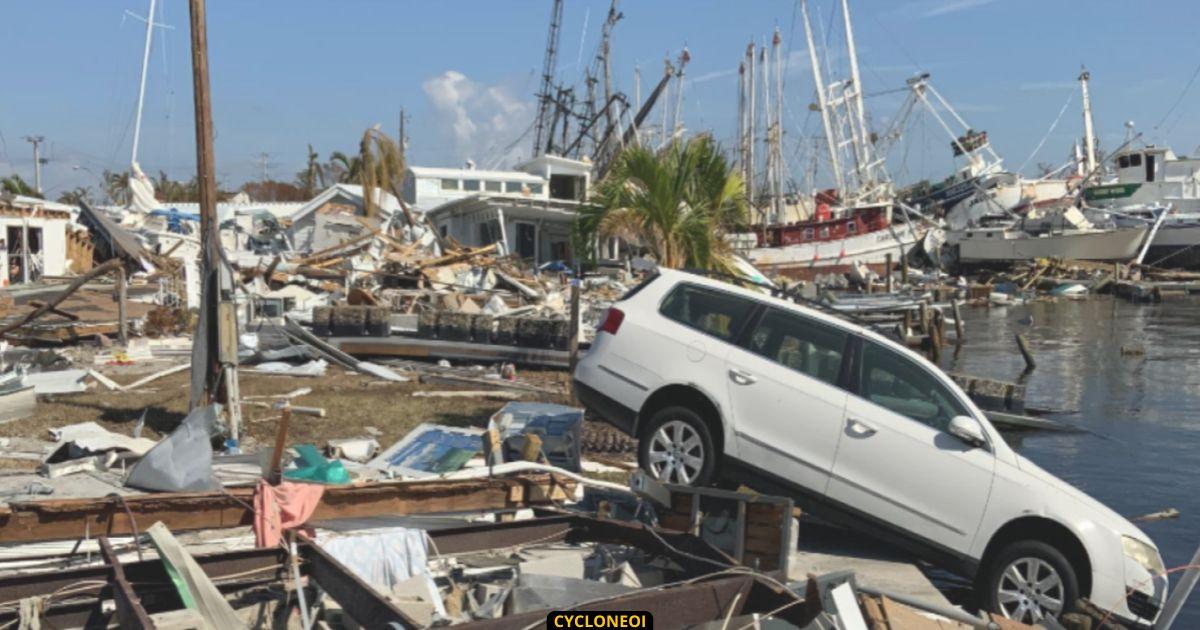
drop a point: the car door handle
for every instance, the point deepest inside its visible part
(859, 428)
(741, 377)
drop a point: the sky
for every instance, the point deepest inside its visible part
(289, 73)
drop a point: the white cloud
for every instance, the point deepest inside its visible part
(479, 120)
(713, 76)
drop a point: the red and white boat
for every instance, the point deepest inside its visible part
(834, 240)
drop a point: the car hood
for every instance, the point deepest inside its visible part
(1104, 515)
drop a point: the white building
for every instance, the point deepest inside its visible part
(528, 211)
(33, 239)
(337, 215)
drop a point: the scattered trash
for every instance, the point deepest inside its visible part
(430, 449)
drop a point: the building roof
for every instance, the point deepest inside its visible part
(521, 206)
(22, 201)
(387, 202)
(428, 172)
(556, 163)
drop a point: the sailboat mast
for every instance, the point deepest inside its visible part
(822, 103)
(776, 44)
(769, 126)
(858, 123)
(1089, 138)
(753, 126)
(137, 121)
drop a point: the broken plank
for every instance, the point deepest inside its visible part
(195, 588)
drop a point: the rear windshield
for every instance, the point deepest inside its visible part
(712, 312)
(650, 277)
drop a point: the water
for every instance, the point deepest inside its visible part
(1142, 411)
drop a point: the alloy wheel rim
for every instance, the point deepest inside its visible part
(676, 453)
(1030, 590)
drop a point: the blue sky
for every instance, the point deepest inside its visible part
(289, 73)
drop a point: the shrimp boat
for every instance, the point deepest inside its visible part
(859, 222)
(835, 240)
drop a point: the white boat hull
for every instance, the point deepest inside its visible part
(993, 245)
(808, 259)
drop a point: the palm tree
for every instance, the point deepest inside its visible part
(116, 186)
(76, 196)
(382, 166)
(312, 176)
(342, 168)
(14, 185)
(677, 204)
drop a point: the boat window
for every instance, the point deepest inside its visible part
(1135, 159)
(449, 184)
(1149, 168)
(492, 186)
(808, 234)
(512, 187)
(471, 184)
(711, 312)
(989, 234)
(851, 227)
(535, 189)
(825, 232)
(899, 384)
(1123, 161)
(799, 343)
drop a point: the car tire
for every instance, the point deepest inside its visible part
(1008, 590)
(676, 447)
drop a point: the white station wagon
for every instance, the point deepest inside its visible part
(718, 381)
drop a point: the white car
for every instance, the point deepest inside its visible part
(717, 380)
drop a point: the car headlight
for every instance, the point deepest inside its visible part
(1144, 554)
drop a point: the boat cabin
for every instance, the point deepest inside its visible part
(1147, 175)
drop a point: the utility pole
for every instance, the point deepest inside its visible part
(403, 139)
(37, 141)
(214, 351)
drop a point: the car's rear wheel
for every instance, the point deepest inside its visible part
(1029, 581)
(678, 448)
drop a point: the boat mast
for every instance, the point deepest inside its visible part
(1089, 139)
(753, 124)
(822, 103)
(777, 136)
(858, 117)
(769, 127)
(137, 121)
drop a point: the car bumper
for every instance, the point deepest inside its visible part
(1136, 600)
(610, 410)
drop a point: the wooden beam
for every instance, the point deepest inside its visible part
(60, 519)
(58, 299)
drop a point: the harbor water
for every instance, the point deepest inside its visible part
(1129, 375)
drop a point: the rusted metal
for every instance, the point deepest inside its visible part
(682, 606)
(129, 606)
(233, 572)
(367, 606)
(31, 521)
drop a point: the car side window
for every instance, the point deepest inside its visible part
(712, 312)
(895, 382)
(799, 343)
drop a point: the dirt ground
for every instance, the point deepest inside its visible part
(352, 403)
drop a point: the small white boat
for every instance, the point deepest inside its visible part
(1012, 243)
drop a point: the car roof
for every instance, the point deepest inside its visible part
(675, 276)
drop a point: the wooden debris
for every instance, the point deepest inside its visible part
(195, 588)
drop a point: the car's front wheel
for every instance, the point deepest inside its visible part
(1029, 581)
(678, 448)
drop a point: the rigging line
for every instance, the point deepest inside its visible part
(1049, 131)
(1180, 99)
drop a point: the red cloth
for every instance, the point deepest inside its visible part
(285, 506)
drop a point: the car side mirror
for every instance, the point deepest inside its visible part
(967, 429)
